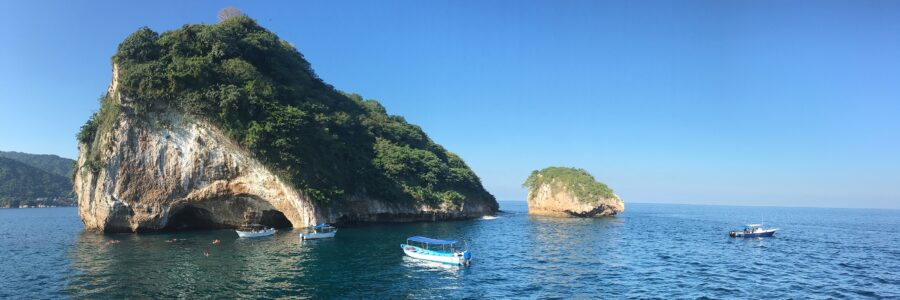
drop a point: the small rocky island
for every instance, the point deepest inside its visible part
(217, 126)
(570, 192)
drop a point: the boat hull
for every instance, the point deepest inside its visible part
(765, 233)
(418, 253)
(251, 234)
(317, 235)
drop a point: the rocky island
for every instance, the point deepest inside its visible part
(570, 192)
(217, 126)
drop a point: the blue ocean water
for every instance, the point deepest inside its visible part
(649, 251)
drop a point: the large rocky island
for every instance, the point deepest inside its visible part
(570, 192)
(217, 126)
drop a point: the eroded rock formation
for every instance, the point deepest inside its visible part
(551, 195)
(171, 171)
(220, 125)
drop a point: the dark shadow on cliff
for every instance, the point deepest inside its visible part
(275, 219)
(195, 218)
(191, 217)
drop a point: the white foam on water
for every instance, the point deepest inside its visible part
(489, 217)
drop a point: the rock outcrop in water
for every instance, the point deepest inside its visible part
(570, 192)
(217, 126)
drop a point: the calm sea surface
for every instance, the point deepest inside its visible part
(650, 251)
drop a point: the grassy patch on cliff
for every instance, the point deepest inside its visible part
(577, 182)
(101, 121)
(261, 92)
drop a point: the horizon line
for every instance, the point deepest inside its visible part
(746, 205)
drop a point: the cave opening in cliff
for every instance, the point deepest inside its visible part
(274, 219)
(191, 217)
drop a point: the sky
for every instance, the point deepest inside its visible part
(782, 103)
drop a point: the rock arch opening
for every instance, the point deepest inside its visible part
(191, 217)
(201, 217)
(275, 219)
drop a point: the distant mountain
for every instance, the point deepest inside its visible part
(25, 185)
(47, 162)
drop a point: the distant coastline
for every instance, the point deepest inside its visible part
(43, 203)
(40, 206)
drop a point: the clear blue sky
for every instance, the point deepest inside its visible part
(792, 103)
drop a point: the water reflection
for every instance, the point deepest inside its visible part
(651, 251)
(165, 268)
(170, 265)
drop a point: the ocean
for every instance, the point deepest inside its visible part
(648, 251)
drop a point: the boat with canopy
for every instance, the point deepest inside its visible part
(753, 230)
(320, 231)
(255, 230)
(442, 251)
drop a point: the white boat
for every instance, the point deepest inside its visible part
(753, 230)
(320, 231)
(442, 251)
(255, 230)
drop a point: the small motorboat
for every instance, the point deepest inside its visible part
(442, 251)
(753, 230)
(320, 231)
(255, 230)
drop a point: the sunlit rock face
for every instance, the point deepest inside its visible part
(184, 174)
(551, 199)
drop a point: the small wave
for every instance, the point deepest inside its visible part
(489, 217)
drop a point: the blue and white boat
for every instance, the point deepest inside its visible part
(753, 230)
(320, 231)
(442, 251)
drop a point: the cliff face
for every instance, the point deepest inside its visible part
(173, 171)
(189, 173)
(553, 200)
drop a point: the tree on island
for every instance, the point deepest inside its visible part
(230, 12)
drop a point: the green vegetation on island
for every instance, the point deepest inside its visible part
(577, 182)
(260, 91)
(24, 185)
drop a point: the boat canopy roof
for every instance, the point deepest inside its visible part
(423, 239)
(323, 225)
(253, 226)
(754, 225)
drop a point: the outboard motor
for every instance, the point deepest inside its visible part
(467, 257)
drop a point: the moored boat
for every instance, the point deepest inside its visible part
(753, 230)
(255, 230)
(320, 231)
(442, 251)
